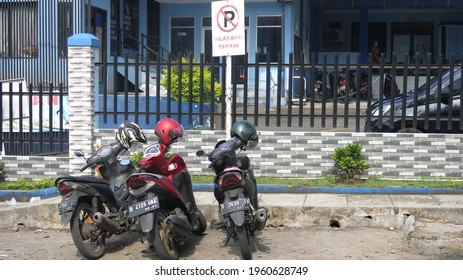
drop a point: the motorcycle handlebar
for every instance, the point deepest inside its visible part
(85, 167)
(214, 162)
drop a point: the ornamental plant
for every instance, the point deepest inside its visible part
(349, 159)
(196, 90)
(136, 157)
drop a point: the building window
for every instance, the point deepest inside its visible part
(64, 27)
(268, 38)
(131, 19)
(182, 31)
(18, 29)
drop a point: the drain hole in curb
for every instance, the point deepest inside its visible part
(368, 217)
(407, 215)
(335, 224)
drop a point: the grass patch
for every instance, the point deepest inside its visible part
(327, 181)
(333, 181)
(23, 184)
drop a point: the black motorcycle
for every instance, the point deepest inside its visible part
(235, 189)
(346, 86)
(322, 85)
(96, 207)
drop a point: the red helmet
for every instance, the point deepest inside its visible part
(168, 131)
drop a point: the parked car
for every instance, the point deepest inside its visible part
(433, 108)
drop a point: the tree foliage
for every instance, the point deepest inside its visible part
(181, 71)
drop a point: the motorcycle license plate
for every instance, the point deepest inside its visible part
(66, 206)
(143, 207)
(235, 205)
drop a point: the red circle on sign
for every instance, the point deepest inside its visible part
(229, 20)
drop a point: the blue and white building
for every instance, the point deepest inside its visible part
(34, 32)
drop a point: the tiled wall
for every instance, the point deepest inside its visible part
(294, 154)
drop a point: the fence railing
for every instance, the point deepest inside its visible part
(34, 122)
(332, 93)
(336, 93)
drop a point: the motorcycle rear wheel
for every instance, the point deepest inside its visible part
(81, 225)
(244, 241)
(201, 224)
(163, 243)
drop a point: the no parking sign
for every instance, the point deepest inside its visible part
(228, 28)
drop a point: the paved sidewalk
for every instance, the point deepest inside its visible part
(337, 207)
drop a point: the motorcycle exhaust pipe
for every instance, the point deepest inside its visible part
(105, 223)
(261, 218)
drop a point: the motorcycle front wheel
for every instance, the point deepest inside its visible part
(163, 243)
(82, 224)
(243, 241)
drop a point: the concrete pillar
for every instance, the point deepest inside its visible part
(81, 79)
(364, 47)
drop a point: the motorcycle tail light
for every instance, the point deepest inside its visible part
(136, 183)
(343, 82)
(230, 179)
(65, 190)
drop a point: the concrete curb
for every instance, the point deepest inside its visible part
(290, 210)
(24, 196)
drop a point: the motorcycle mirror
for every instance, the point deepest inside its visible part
(79, 153)
(200, 153)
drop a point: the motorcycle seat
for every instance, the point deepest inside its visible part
(84, 179)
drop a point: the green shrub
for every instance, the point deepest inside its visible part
(42, 183)
(23, 184)
(2, 166)
(136, 157)
(196, 93)
(350, 160)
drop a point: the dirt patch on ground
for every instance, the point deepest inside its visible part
(313, 243)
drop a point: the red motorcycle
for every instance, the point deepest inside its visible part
(163, 196)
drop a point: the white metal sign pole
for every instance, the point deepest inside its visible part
(228, 94)
(228, 39)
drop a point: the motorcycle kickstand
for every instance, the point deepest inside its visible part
(229, 236)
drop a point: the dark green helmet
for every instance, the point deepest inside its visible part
(246, 131)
